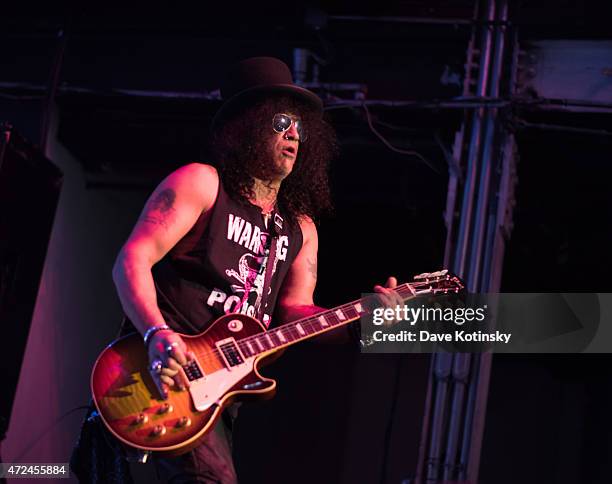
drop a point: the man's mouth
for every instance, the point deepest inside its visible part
(289, 151)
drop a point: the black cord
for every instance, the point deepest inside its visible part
(389, 429)
(393, 148)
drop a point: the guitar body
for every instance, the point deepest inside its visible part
(225, 369)
(133, 410)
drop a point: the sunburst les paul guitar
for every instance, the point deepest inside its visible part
(225, 369)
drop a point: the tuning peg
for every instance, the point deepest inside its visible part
(432, 275)
(441, 273)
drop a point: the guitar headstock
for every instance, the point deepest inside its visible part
(440, 282)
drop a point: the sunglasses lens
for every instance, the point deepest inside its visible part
(281, 123)
(300, 129)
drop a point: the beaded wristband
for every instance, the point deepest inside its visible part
(151, 331)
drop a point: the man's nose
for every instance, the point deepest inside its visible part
(292, 133)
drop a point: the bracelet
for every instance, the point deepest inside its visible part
(151, 331)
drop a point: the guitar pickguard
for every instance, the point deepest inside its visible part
(209, 389)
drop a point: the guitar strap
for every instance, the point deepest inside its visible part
(275, 231)
(267, 266)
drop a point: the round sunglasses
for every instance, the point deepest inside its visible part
(282, 122)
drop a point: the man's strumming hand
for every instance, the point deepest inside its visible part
(169, 348)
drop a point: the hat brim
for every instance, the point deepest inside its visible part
(240, 100)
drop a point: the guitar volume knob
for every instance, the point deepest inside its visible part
(183, 422)
(158, 430)
(141, 419)
(165, 408)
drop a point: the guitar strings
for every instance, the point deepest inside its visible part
(288, 330)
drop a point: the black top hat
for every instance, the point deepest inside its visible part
(251, 78)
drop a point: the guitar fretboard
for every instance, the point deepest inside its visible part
(319, 323)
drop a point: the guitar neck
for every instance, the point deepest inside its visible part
(310, 326)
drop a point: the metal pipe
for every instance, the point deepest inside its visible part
(474, 275)
(442, 370)
(427, 411)
(498, 224)
(558, 127)
(460, 377)
(300, 65)
(403, 20)
(479, 409)
(469, 419)
(474, 151)
(501, 223)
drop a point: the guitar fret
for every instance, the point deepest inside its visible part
(323, 321)
(293, 333)
(269, 340)
(287, 331)
(350, 313)
(310, 327)
(281, 336)
(289, 334)
(333, 319)
(243, 349)
(340, 315)
(300, 329)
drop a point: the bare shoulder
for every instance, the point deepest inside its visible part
(195, 183)
(200, 170)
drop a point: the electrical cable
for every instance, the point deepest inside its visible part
(522, 124)
(393, 148)
(453, 165)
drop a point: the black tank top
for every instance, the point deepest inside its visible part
(206, 274)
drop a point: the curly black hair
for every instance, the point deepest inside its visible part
(241, 151)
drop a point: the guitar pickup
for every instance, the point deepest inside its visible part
(193, 371)
(230, 352)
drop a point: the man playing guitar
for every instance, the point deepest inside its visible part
(238, 237)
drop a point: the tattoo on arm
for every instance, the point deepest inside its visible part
(162, 207)
(312, 267)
